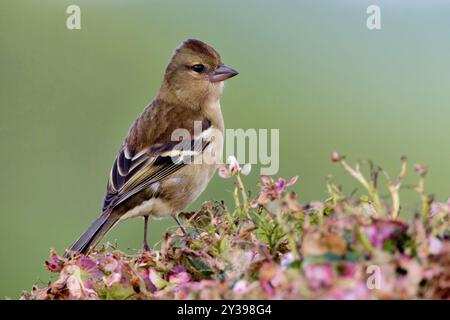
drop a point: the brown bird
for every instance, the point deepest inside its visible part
(169, 154)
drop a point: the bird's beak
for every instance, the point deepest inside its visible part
(222, 73)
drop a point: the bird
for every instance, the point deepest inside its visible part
(170, 152)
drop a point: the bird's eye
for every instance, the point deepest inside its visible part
(199, 68)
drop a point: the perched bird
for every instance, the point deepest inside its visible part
(159, 173)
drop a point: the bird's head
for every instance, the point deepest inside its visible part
(196, 72)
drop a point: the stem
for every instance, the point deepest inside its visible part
(395, 203)
(394, 188)
(364, 241)
(370, 187)
(420, 188)
(243, 194)
(333, 191)
(237, 202)
(376, 199)
(293, 244)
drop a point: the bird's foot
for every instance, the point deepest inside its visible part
(145, 247)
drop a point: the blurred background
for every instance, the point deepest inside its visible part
(310, 68)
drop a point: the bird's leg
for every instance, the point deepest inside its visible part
(181, 226)
(146, 248)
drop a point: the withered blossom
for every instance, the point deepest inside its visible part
(322, 250)
(272, 190)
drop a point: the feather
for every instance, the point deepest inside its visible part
(131, 176)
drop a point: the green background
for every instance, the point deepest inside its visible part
(310, 68)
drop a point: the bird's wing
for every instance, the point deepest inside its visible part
(134, 171)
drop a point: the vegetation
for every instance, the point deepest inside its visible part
(273, 247)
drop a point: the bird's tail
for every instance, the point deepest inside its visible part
(92, 236)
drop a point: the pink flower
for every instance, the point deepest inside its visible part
(89, 265)
(233, 168)
(144, 274)
(282, 184)
(436, 245)
(267, 287)
(286, 260)
(109, 263)
(112, 279)
(273, 190)
(350, 270)
(319, 275)
(358, 292)
(381, 230)
(233, 164)
(71, 275)
(421, 169)
(336, 157)
(439, 207)
(55, 263)
(267, 273)
(179, 274)
(240, 287)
